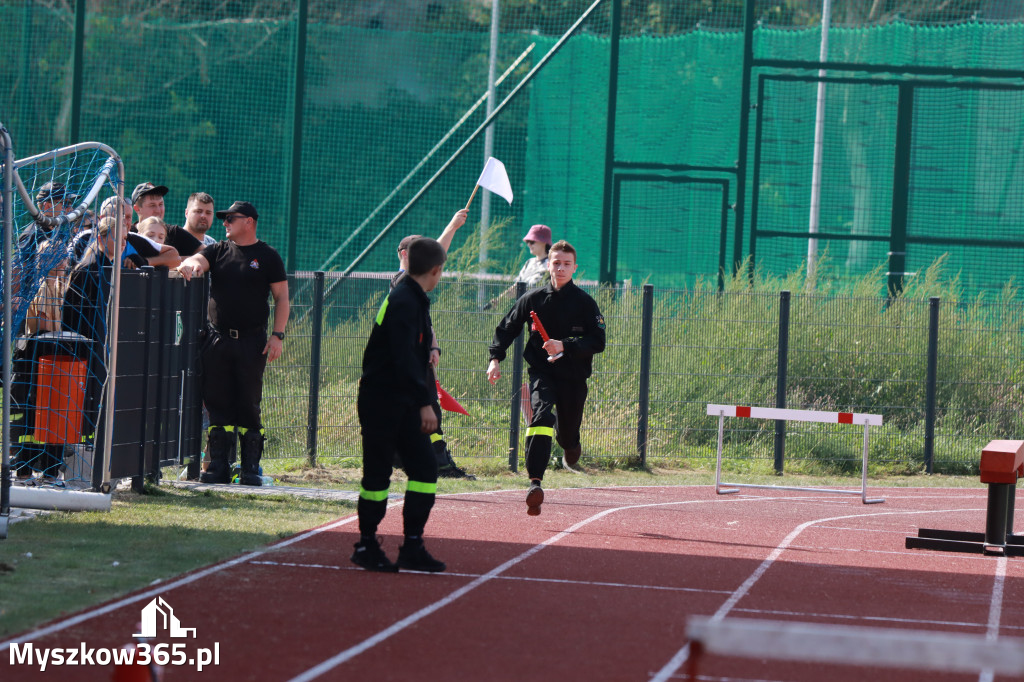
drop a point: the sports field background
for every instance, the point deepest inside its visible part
(200, 96)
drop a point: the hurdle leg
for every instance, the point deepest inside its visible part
(1010, 498)
(718, 462)
(996, 515)
(864, 472)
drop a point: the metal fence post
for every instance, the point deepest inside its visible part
(780, 380)
(298, 98)
(313, 415)
(931, 380)
(517, 393)
(643, 400)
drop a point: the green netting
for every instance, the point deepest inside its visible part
(199, 96)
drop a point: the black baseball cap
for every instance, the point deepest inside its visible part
(147, 188)
(54, 190)
(242, 207)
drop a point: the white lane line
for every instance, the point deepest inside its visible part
(514, 578)
(166, 587)
(353, 651)
(995, 612)
(679, 659)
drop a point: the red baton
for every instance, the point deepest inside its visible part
(539, 328)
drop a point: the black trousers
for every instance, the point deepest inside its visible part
(386, 429)
(232, 381)
(557, 414)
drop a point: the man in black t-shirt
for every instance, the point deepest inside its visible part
(244, 271)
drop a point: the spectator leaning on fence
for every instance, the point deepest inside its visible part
(52, 200)
(154, 229)
(558, 368)
(44, 315)
(244, 271)
(148, 200)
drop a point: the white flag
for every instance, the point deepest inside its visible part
(495, 179)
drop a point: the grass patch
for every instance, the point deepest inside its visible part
(62, 562)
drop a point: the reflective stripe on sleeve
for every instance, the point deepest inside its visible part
(383, 309)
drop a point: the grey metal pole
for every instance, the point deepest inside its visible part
(931, 381)
(298, 99)
(313, 415)
(607, 268)
(643, 400)
(101, 482)
(78, 72)
(7, 214)
(517, 393)
(492, 67)
(780, 380)
(741, 160)
(819, 144)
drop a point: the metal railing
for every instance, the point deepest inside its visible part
(942, 388)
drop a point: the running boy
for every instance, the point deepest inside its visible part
(396, 413)
(558, 368)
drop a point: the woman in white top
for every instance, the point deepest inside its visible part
(538, 240)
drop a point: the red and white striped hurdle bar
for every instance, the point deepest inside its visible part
(857, 418)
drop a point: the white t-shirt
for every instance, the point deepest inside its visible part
(533, 272)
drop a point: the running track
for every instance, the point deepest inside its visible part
(596, 588)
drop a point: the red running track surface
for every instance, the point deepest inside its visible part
(598, 587)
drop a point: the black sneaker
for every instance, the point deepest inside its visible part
(417, 558)
(452, 471)
(370, 556)
(572, 455)
(534, 498)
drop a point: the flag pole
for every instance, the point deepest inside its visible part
(475, 188)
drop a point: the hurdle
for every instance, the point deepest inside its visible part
(723, 411)
(851, 645)
(1002, 463)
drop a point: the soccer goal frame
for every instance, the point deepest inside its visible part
(111, 172)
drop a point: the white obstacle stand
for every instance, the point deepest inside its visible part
(918, 650)
(723, 411)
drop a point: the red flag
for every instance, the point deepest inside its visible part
(447, 402)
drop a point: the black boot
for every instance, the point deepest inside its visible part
(251, 450)
(446, 466)
(221, 444)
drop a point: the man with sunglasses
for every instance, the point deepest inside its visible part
(244, 272)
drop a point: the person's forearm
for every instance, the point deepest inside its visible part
(168, 257)
(282, 309)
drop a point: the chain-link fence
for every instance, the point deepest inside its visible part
(944, 377)
(332, 116)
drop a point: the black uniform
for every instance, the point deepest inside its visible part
(446, 466)
(232, 353)
(396, 382)
(571, 316)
